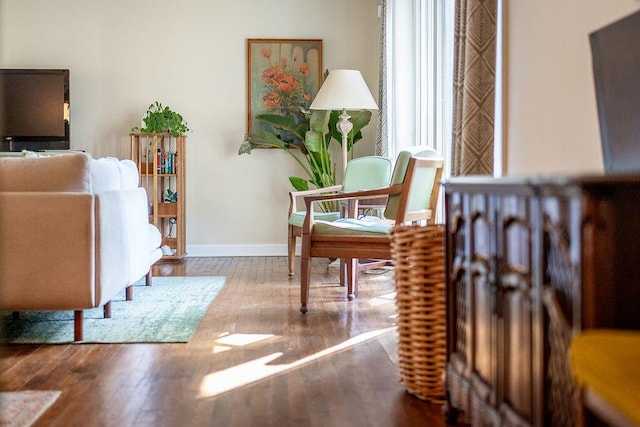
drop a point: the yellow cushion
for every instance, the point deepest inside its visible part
(606, 361)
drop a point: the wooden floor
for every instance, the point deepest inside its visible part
(334, 366)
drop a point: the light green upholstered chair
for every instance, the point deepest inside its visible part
(412, 197)
(362, 173)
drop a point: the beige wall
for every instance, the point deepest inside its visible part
(190, 55)
(552, 123)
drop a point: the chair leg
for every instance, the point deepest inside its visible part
(352, 278)
(107, 310)
(148, 278)
(291, 249)
(77, 325)
(305, 275)
(343, 271)
(128, 293)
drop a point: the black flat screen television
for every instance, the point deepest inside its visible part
(34, 107)
(615, 53)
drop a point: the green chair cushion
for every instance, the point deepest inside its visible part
(297, 218)
(366, 173)
(352, 226)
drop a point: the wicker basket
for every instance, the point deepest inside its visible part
(418, 257)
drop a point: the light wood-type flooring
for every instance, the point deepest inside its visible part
(254, 360)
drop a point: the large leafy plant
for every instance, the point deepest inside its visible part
(161, 119)
(307, 142)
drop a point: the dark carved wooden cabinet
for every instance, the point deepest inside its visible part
(516, 247)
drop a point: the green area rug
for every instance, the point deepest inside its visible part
(168, 311)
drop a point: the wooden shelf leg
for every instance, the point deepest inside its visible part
(77, 325)
(107, 310)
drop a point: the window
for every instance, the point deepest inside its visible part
(418, 64)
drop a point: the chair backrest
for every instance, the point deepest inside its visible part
(367, 173)
(419, 169)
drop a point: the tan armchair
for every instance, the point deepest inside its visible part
(412, 197)
(362, 173)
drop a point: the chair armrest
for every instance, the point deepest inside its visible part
(293, 195)
(322, 190)
(361, 194)
(350, 195)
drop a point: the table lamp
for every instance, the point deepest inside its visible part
(344, 90)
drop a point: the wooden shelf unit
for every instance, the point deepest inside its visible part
(158, 176)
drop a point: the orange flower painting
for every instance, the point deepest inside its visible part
(283, 76)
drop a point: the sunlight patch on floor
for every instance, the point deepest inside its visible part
(227, 341)
(378, 274)
(383, 299)
(240, 340)
(255, 370)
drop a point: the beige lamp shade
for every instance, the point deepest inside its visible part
(344, 89)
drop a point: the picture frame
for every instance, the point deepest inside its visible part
(283, 77)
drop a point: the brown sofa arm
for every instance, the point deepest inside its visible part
(47, 251)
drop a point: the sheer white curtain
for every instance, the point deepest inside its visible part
(416, 75)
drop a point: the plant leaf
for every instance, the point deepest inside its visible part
(260, 139)
(313, 141)
(318, 120)
(298, 183)
(285, 123)
(278, 121)
(359, 119)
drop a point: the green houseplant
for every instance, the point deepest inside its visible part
(161, 119)
(303, 134)
(310, 149)
(307, 142)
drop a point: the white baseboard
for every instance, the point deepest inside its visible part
(236, 250)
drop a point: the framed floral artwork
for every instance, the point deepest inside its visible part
(283, 77)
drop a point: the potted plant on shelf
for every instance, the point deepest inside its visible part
(161, 119)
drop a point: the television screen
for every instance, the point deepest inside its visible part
(35, 109)
(615, 52)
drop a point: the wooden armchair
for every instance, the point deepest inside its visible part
(412, 197)
(363, 173)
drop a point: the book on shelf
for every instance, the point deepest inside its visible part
(166, 161)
